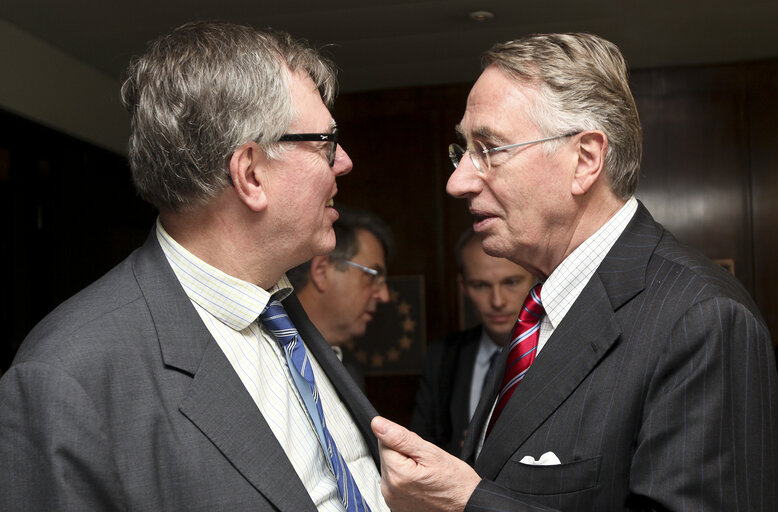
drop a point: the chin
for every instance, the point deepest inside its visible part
(325, 245)
(359, 332)
(493, 246)
(502, 337)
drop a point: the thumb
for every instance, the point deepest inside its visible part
(394, 436)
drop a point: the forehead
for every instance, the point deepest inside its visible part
(369, 247)
(497, 106)
(311, 114)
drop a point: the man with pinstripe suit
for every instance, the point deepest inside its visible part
(653, 385)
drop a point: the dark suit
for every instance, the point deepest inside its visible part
(658, 391)
(122, 400)
(441, 413)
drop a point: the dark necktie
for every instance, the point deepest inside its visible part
(274, 317)
(489, 371)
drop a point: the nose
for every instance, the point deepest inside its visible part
(498, 297)
(343, 163)
(464, 181)
(382, 293)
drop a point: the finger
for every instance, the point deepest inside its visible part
(394, 436)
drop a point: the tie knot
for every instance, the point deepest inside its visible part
(532, 309)
(275, 319)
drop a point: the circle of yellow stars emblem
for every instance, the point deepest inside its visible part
(377, 359)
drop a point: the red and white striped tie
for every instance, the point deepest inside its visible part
(522, 350)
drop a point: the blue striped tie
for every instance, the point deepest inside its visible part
(275, 319)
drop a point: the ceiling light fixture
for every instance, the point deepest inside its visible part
(481, 16)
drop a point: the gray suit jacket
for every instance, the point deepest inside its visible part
(658, 391)
(121, 399)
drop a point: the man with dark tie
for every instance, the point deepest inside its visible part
(640, 376)
(189, 377)
(457, 366)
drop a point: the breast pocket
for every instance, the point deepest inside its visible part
(573, 477)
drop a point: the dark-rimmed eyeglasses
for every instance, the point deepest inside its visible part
(330, 138)
(377, 276)
(479, 153)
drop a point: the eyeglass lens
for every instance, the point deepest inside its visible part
(478, 155)
(333, 148)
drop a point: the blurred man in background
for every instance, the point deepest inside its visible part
(340, 291)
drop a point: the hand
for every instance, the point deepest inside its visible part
(419, 476)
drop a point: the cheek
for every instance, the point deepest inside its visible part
(481, 303)
(367, 296)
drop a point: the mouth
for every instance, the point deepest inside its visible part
(480, 218)
(501, 319)
(330, 203)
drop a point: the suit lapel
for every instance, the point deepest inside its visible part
(587, 333)
(355, 401)
(580, 341)
(217, 402)
(219, 405)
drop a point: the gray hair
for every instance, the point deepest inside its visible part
(349, 223)
(582, 84)
(201, 91)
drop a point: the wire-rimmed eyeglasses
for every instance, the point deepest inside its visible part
(330, 138)
(479, 153)
(377, 276)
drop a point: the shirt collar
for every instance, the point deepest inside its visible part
(234, 302)
(568, 280)
(486, 348)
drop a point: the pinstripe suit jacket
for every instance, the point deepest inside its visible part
(122, 400)
(658, 391)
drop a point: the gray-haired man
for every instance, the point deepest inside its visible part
(156, 388)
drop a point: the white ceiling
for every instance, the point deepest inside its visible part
(386, 44)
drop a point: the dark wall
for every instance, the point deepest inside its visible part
(710, 174)
(69, 213)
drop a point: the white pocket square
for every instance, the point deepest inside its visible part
(547, 459)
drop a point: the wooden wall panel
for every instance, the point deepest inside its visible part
(398, 142)
(694, 177)
(762, 115)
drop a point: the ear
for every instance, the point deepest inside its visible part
(319, 273)
(461, 281)
(590, 160)
(246, 166)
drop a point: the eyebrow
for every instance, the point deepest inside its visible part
(481, 132)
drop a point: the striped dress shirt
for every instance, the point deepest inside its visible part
(568, 280)
(229, 308)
